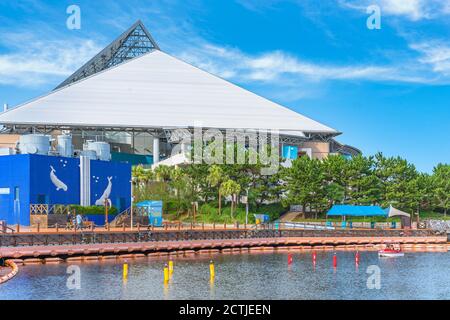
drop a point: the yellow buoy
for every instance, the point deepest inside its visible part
(125, 270)
(212, 273)
(170, 267)
(166, 273)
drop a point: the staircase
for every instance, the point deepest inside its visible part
(290, 216)
(121, 218)
(124, 218)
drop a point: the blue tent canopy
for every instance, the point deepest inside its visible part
(356, 211)
(149, 203)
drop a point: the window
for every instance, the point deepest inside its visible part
(42, 199)
(120, 204)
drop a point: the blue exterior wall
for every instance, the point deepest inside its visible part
(99, 219)
(133, 159)
(66, 169)
(121, 182)
(15, 174)
(31, 176)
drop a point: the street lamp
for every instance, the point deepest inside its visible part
(246, 208)
(106, 212)
(131, 206)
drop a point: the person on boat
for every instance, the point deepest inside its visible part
(391, 247)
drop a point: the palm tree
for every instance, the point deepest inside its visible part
(215, 178)
(163, 173)
(140, 175)
(231, 188)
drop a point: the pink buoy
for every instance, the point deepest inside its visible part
(357, 258)
(290, 259)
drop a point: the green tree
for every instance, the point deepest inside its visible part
(362, 184)
(304, 184)
(231, 188)
(216, 177)
(163, 173)
(179, 183)
(335, 172)
(140, 175)
(398, 182)
(441, 187)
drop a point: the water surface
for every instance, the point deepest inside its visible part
(246, 276)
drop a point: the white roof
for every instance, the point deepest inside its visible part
(393, 212)
(157, 90)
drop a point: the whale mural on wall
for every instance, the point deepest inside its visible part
(105, 195)
(58, 183)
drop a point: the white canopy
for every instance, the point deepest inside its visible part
(157, 90)
(393, 212)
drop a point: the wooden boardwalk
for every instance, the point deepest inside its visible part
(39, 254)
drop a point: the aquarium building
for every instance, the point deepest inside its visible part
(134, 96)
(126, 106)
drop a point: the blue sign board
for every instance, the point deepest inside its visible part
(290, 152)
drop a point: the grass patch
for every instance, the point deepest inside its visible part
(208, 213)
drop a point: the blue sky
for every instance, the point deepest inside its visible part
(386, 90)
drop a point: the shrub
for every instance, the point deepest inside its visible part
(92, 209)
(274, 210)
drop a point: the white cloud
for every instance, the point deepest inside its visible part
(414, 9)
(280, 68)
(435, 54)
(410, 9)
(35, 62)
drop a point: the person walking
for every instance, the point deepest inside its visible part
(79, 221)
(69, 220)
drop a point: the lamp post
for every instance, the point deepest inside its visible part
(131, 206)
(246, 208)
(106, 213)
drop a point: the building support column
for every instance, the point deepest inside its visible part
(155, 150)
(85, 181)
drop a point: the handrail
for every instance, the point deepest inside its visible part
(125, 212)
(150, 234)
(4, 226)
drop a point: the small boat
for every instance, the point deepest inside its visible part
(390, 253)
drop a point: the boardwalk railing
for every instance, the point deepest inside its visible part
(92, 237)
(309, 226)
(4, 227)
(39, 209)
(45, 209)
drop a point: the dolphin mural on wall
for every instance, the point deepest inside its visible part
(58, 183)
(105, 195)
